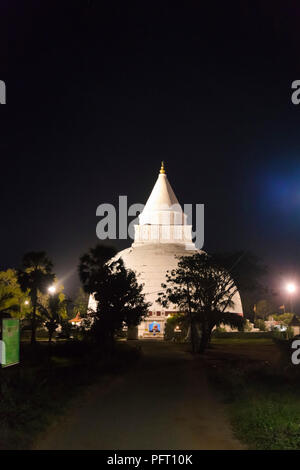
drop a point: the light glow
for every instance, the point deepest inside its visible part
(291, 288)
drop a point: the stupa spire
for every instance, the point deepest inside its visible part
(162, 207)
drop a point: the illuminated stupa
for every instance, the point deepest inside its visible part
(161, 235)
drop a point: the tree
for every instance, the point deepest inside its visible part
(263, 308)
(12, 299)
(90, 263)
(35, 277)
(176, 328)
(119, 300)
(81, 303)
(260, 324)
(202, 289)
(284, 318)
(54, 312)
(247, 271)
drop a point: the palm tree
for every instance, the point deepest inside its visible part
(35, 277)
(54, 312)
(90, 263)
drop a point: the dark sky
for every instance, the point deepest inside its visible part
(98, 93)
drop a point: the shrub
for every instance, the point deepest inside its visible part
(260, 324)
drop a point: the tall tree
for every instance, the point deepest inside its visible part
(248, 273)
(35, 277)
(90, 263)
(263, 308)
(119, 298)
(202, 289)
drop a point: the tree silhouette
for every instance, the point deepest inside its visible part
(35, 277)
(119, 297)
(53, 312)
(90, 263)
(203, 290)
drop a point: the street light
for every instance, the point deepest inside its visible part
(52, 289)
(291, 288)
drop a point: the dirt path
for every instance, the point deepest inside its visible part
(162, 403)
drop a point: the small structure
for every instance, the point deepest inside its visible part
(76, 321)
(295, 325)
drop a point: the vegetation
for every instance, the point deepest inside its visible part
(90, 263)
(248, 273)
(284, 318)
(202, 289)
(42, 386)
(12, 299)
(54, 312)
(119, 297)
(80, 304)
(35, 277)
(260, 324)
(264, 308)
(263, 398)
(176, 328)
(262, 395)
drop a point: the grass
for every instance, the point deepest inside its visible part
(242, 338)
(246, 341)
(262, 397)
(33, 393)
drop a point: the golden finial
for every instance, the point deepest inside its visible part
(162, 168)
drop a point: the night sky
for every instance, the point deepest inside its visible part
(99, 93)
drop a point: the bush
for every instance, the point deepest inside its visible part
(287, 334)
(219, 329)
(260, 324)
(247, 326)
(170, 333)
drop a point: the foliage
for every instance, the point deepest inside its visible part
(260, 324)
(90, 263)
(81, 303)
(176, 321)
(263, 405)
(118, 295)
(248, 273)
(284, 318)
(287, 334)
(54, 312)
(12, 299)
(218, 330)
(246, 326)
(35, 277)
(34, 395)
(264, 308)
(204, 291)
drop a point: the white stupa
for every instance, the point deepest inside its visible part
(162, 234)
